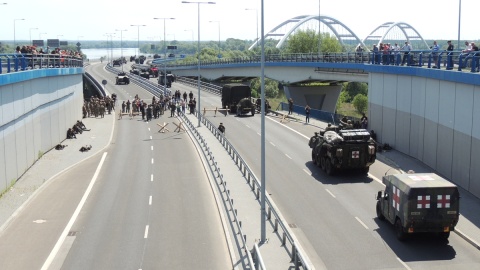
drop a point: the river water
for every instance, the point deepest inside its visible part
(107, 53)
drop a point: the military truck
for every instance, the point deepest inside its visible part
(343, 149)
(244, 106)
(232, 94)
(122, 78)
(418, 203)
(117, 62)
(170, 79)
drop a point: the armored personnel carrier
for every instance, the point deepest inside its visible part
(122, 78)
(244, 106)
(344, 149)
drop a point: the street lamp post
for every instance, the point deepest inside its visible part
(14, 39)
(31, 34)
(164, 55)
(110, 35)
(218, 35)
(121, 45)
(459, 19)
(198, 53)
(256, 12)
(319, 33)
(138, 37)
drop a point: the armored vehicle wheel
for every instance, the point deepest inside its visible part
(379, 212)
(444, 235)
(253, 111)
(401, 235)
(322, 163)
(317, 161)
(329, 167)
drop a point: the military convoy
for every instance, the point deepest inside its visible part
(343, 149)
(122, 78)
(418, 203)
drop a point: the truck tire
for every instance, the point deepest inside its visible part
(253, 111)
(401, 235)
(329, 167)
(366, 170)
(379, 212)
(322, 163)
(444, 235)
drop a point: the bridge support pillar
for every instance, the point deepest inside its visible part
(320, 97)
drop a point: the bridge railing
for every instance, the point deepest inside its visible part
(429, 59)
(20, 62)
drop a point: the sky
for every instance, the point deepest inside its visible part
(92, 19)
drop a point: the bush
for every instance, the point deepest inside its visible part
(360, 102)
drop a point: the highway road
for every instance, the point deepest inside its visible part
(149, 206)
(333, 216)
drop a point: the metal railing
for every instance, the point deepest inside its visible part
(429, 59)
(22, 62)
(297, 257)
(225, 192)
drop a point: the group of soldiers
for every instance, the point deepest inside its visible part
(97, 106)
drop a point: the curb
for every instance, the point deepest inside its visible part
(466, 238)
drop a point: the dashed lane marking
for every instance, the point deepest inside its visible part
(272, 144)
(288, 156)
(150, 200)
(329, 192)
(152, 160)
(151, 178)
(146, 232)
(361, 222)
(307, 172)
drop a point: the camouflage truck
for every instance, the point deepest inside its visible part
(122, 78)
(345, 149)
(244, 106)
(418, 203)
(232, 94)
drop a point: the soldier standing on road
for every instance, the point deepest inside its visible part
(221, 127)
(307, 114)
(290, 106)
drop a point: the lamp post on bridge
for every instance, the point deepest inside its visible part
(110, 35)
(31, 34)
(459, 18)
(218, 36)
(121, 46)
(164, 55)
(138, 37)
(14, 38)
(198, 52)
(256, 13)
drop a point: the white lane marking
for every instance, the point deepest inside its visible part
(150, 201)
(259, 134)
(288, 156)
(148, 129)
(146, 232)
(247, 126)
(152, 160)
(151, 178)
(150, 137)
(330, 193)
(72, 220)
(361, 222)
(151, 147)
(404, 264)
(375, 178)
(307, 172)
(272, 143)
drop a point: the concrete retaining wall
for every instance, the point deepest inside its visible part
(36, 109)
(431, 120)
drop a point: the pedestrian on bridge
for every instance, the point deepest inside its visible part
(307, 114)
(290, 106)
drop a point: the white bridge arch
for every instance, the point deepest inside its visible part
(383, 32)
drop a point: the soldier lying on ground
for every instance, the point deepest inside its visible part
(85, 148)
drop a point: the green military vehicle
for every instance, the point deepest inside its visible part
(419, 202)
(344, 149)
(244, 106)
(122, 78)
(232, 93)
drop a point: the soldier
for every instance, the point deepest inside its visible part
(221, 127)
(313, 140)
(190, 95)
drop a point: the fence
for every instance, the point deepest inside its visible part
(22, 62)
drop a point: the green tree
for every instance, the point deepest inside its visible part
(271, 88)
(360, 102)
(307, 41)
(355, 88)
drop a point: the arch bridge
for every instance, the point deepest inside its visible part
(387, 32)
